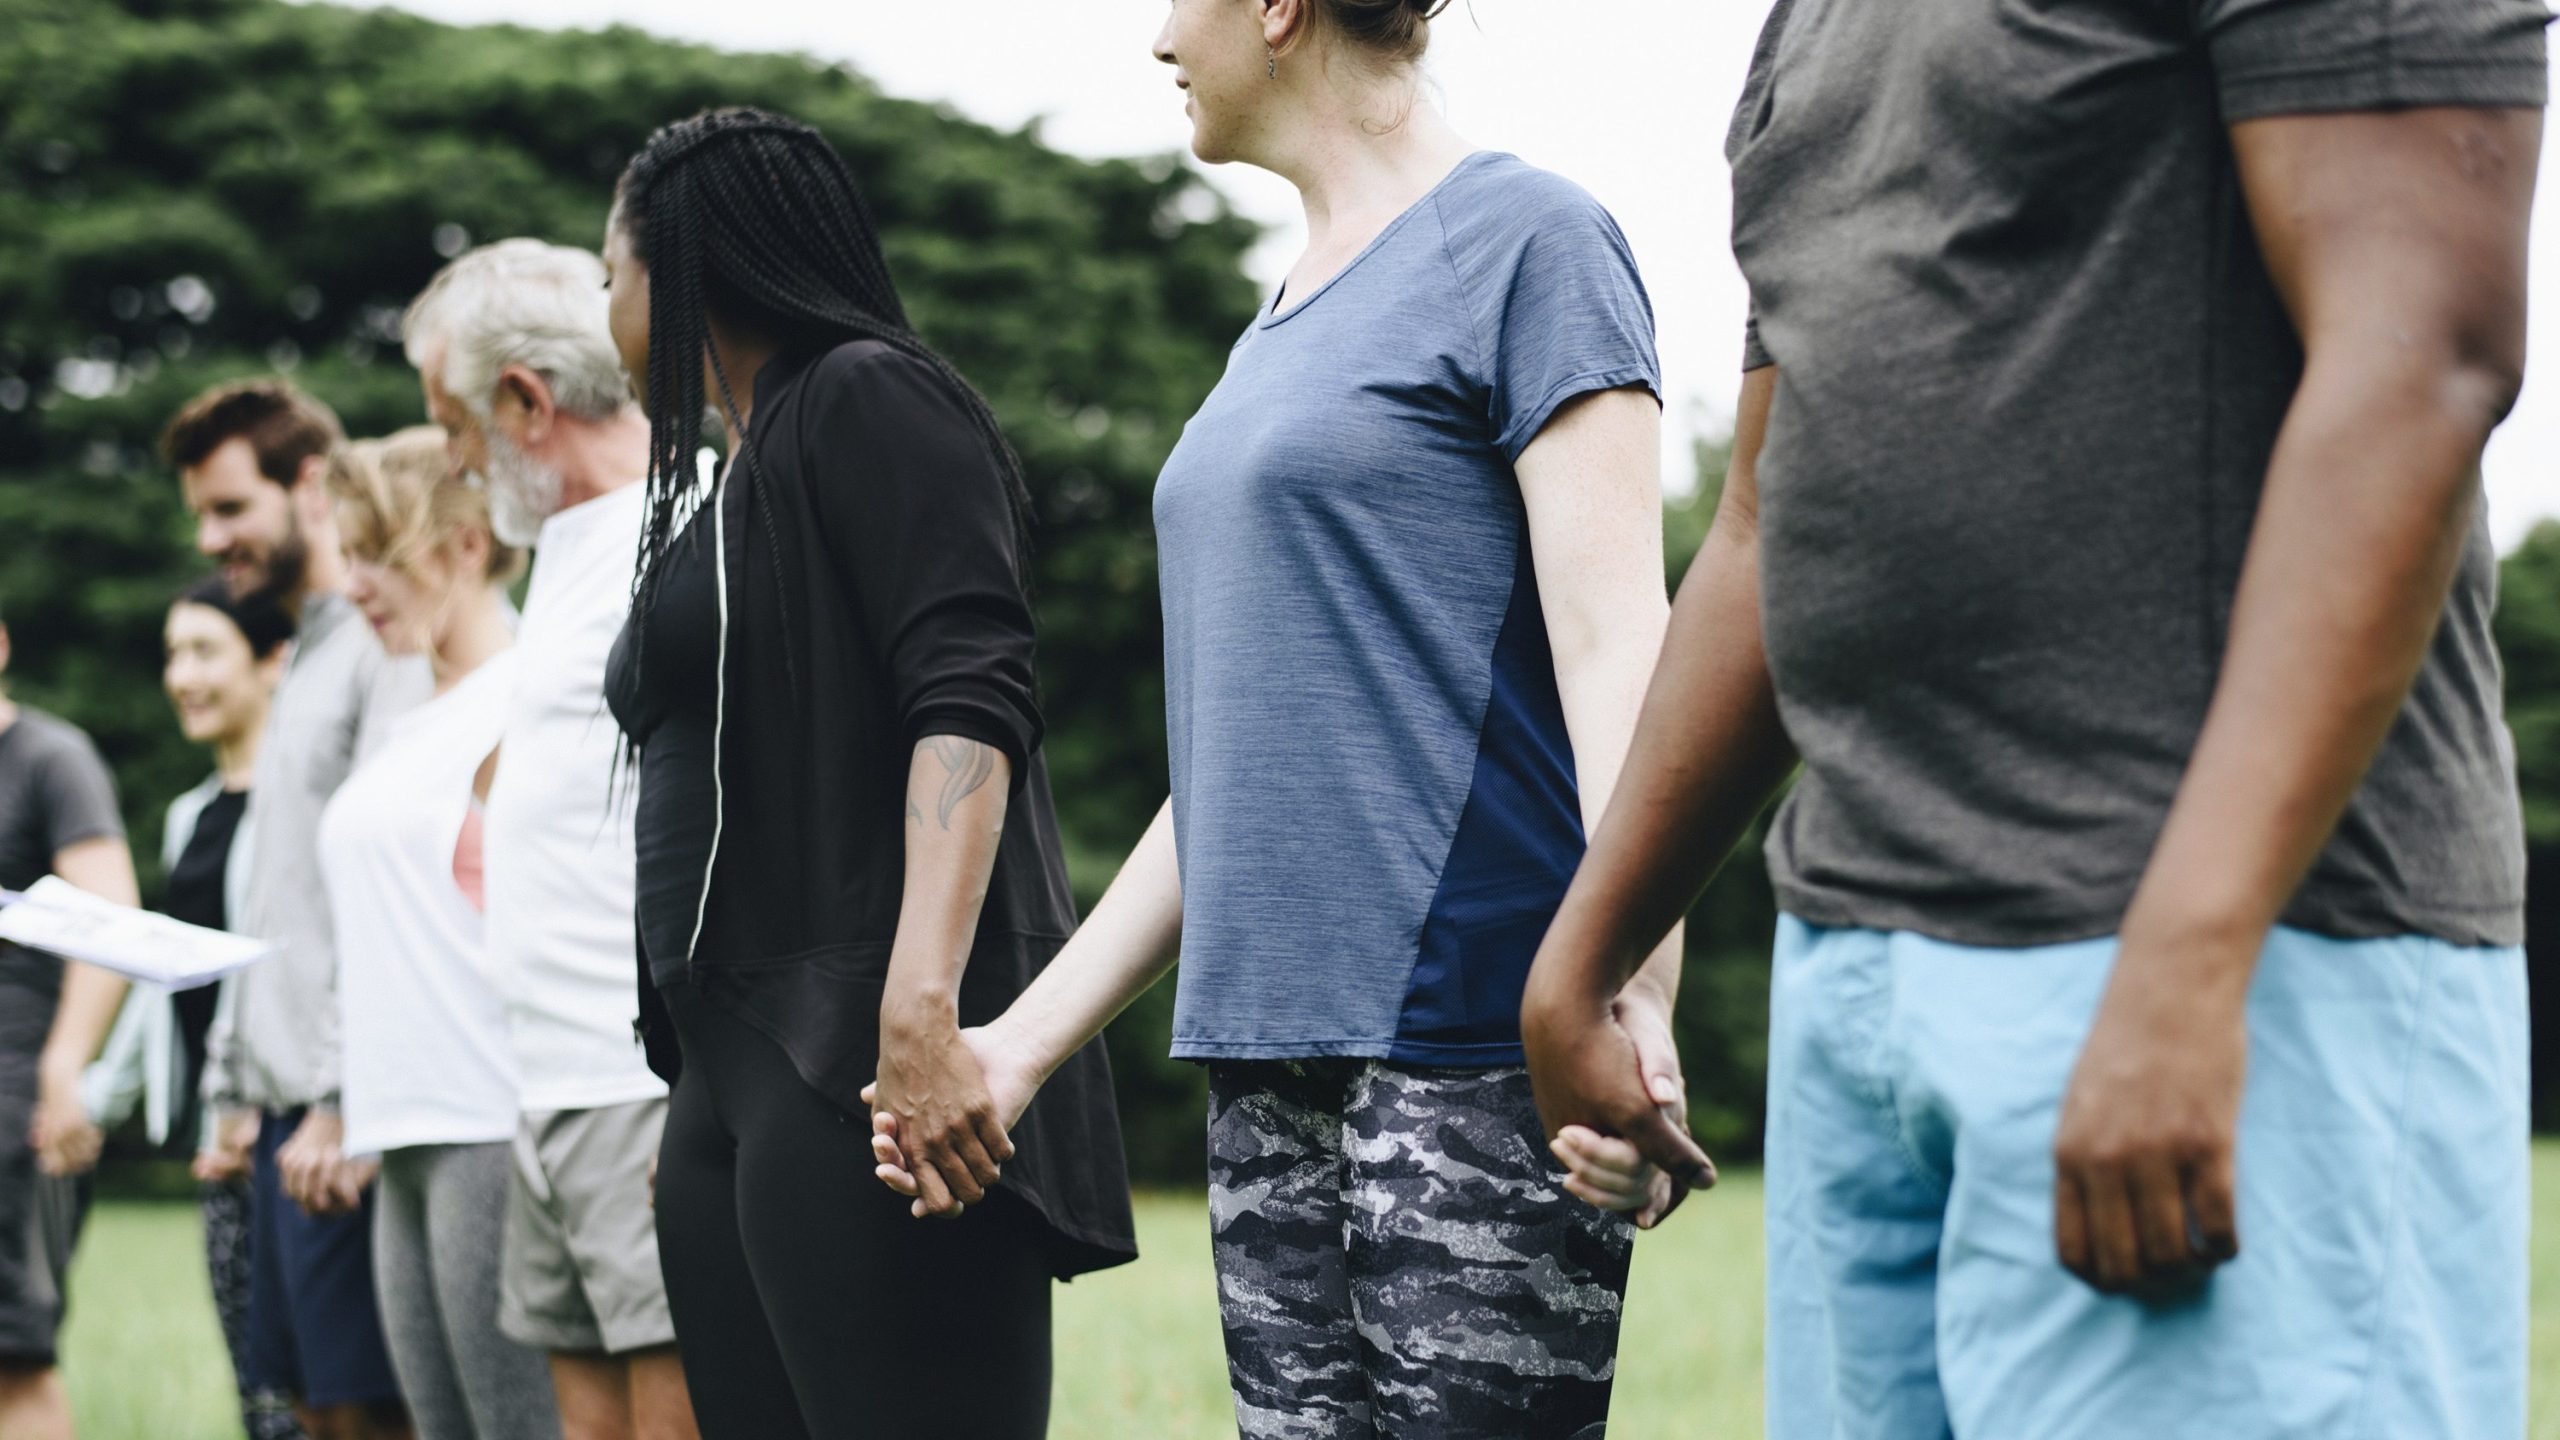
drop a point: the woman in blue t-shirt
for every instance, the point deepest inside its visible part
(1412, 578)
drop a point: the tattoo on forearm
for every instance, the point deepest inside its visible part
(966, 764)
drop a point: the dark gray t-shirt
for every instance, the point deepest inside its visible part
(54, 793)
(2031, 369)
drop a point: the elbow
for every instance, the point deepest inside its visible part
(2477, 361)
(1594, 636)
(1606, 658)
(2458, 383)
(2483, 381)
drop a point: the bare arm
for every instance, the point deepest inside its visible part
(65, 1140)
(1592, 485)
(2397, 240)
(1707, 755)
(956, 797)
(1122, 948)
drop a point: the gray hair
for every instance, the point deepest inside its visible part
(520, 302)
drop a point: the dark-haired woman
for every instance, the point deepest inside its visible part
(1412, 573)
(224, 655)
(845, 840)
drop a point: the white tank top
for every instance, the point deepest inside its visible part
(426, 1057)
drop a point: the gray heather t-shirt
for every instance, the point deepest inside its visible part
(1373, 788)
(54, 793)
(276, 1047)
(2031, 369)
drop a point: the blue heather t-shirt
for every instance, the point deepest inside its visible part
(1373, 790)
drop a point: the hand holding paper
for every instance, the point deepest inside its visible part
(55, 916)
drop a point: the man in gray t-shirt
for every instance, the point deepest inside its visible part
(2104, 536)
(58, 817)
(250, 459)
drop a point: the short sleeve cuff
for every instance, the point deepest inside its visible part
(985, 719)
(1531, 422)
(2396, 85)
(1755, 356)
(83, 834)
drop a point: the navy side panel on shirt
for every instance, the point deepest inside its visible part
(1518, 842)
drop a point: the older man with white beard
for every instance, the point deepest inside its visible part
(512, 351)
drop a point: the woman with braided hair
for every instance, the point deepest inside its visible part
(1411, 556)
(845, 841)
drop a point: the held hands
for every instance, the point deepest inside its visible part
(922, 1153)
(66, 1141)
(2144, 1182)
(313, 1168)
(226, 1156)
(1609, 1089)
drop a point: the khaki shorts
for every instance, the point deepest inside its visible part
(579, 1271)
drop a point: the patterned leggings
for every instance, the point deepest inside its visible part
(1396, 1257)
(264, 1414)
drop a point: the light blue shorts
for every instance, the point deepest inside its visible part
(1913, 1289)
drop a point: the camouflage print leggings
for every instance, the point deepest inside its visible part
(1396, 1258)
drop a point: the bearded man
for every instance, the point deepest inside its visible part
(516, 363)
(249, 458)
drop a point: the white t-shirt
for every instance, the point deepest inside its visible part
(558, 844)
(426, 1057)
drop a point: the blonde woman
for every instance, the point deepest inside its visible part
(429, 1084)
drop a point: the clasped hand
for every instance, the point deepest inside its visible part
(941, 1108)
(65, 1139)
(316, 1173)
(1609, 1089)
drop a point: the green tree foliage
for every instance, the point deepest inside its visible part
(2529, 641)
(193, 190)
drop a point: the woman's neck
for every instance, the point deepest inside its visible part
(479, 630)
(741, 358)
(235, 756)
(1358, 160)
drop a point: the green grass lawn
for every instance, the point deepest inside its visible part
(1138, 1351)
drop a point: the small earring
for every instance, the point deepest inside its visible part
(1274, 52)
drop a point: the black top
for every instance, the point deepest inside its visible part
(668, 707)
(875, 598)
(195, 894)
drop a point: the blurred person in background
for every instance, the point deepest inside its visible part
(57, 817)
(250, 458)
(844, 828)
(429, 1088)
(518, 366)
(1411, 555)
(224, 653)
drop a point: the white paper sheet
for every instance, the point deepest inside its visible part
(56, 916)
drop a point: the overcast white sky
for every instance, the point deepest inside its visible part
(1629, 97)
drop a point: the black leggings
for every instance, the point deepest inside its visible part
(810, 1305)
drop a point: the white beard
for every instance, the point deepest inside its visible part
(523, 492)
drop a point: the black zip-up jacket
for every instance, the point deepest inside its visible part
(874, 599)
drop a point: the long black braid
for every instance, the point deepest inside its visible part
(754, 217)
